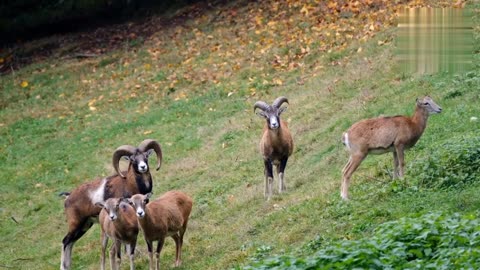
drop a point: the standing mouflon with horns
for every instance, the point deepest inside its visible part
(276, 144)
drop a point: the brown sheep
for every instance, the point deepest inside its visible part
(385, 134)
(166, 216)
(119, 222)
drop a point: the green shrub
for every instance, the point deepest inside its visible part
(463, 84)
(432, 241)
(451, 164)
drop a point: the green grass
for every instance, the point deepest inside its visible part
(62, 129)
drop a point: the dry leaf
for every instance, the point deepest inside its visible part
(332, 5)
(304, 10)
(277, 82)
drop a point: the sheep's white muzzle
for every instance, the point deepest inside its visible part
(142, 167)
(274, 123)
(140, 213)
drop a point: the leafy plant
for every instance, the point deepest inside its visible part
(451, 164)
(432, 241)
(462, 84)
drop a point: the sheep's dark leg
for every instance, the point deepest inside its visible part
(352, 164)
(395, 164)
(104, 247)
(268, 178)
(79, 229)
(178, 249)
(118, 253)
(281, 175)
(346, 165)
(159, 249)
(131, 253)
(113, 252)
(150, 253)
(180, 243)
(401, 161)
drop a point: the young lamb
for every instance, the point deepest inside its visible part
(119, 222)
(385, 134)
(166, 216)
(276, 144)
(80, 209)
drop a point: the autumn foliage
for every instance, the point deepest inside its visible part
(196, 50)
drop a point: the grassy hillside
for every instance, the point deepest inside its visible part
(192, 87)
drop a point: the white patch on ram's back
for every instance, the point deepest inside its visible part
(97, 194)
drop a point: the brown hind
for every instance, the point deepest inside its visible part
(385, 134)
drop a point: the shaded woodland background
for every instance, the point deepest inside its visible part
(29, 19)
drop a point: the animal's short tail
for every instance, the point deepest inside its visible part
(64, 194)
(345, 140)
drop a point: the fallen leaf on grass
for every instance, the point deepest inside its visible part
(277, 82)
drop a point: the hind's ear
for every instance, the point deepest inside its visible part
(120, 200)
(129, 201)
(99, 204)
(147, 198)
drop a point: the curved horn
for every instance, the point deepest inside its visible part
(152, 144)
(124, 150)
(260, 105)
(279, 101)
